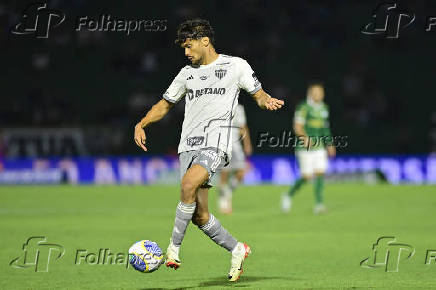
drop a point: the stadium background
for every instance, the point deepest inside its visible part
(101, 83)
(68, 105)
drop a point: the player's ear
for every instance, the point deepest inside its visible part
(205, 41)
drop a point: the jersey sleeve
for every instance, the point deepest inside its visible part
(300, 114)
(177, 90)
(247, 78)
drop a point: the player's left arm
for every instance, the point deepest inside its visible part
(246, 141)
(331, 149)
(265, 101)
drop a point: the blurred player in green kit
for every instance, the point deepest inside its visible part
(311, 126)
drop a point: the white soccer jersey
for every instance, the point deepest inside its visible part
(211, 95)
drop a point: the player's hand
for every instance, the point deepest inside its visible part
(140, 137)
(273, 104)
(331, 151)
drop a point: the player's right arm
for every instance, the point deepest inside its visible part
(175, 92)
(157, 112)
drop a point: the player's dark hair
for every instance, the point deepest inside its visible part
(195, 29)
(315, 83)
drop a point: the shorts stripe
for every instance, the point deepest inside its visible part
(216, 162)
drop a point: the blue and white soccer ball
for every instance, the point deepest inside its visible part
(146, 256)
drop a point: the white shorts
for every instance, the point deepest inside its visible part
(212, 159)
(312, 161)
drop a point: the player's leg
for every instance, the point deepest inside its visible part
(237, 171)
(212, 227)
(224, 193)
(298, 184)
(320, 167)
(237, 178)
(234, 181)
(238, 166)
(195, 176)
(209, 224)
(305, 162)
(306, 170)
(318, 187)
(214, 161)
(224, 179)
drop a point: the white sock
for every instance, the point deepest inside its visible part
(237, 249)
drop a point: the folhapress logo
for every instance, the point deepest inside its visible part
(37, 19)
(38, 254)
(387, 253)
(388, 21)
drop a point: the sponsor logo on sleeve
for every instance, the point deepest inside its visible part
(256, 80)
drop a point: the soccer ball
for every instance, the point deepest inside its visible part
(145, 256)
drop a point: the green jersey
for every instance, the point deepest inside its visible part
(315, 119)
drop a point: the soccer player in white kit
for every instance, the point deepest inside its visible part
(210, 86)
(233, 175)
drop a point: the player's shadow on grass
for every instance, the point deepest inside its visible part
(220, 281)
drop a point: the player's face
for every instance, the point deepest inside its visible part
(194, 50)
(316, 93)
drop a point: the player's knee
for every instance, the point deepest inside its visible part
(307, 178)
(240, 175)
(200, 219)
(188, 189)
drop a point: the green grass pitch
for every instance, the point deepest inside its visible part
(298, 250)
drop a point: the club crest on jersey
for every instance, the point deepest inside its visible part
(220, 73)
